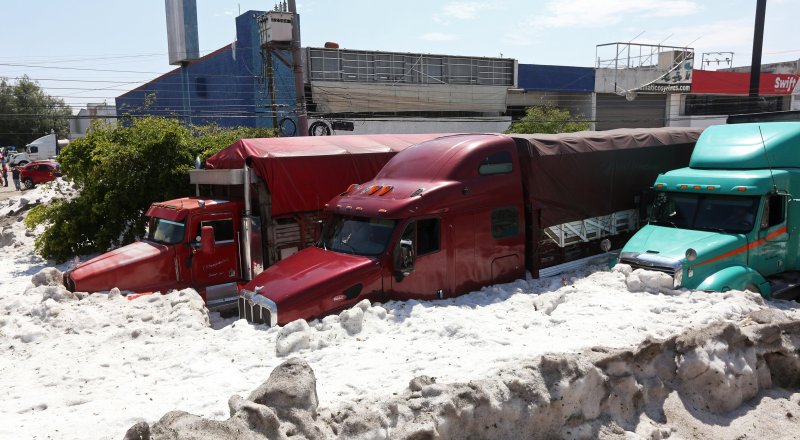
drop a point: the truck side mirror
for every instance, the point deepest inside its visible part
(317, 230)
(207, 240)
(404, 263)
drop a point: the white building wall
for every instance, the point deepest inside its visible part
(489, 124)
(79, 125)
(344, 97)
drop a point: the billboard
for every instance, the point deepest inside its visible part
(738, 83)
(182, 31)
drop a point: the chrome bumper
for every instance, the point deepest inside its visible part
(257, 309)
(671, 266)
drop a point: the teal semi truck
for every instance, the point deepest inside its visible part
(730, 220)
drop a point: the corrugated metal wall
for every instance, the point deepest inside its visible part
(614, 111)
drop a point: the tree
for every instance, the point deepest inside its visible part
(549, 119)
(27, 112)
(120, 171)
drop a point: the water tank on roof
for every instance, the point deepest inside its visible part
(182, 31)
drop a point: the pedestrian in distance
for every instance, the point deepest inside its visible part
(5, 172)
(15, 177)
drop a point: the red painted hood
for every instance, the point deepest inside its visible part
(139, 267)
(311, 283)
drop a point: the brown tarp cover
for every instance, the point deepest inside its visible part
(586, 174)
(304, 173)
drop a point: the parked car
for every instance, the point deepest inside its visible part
(39, 171)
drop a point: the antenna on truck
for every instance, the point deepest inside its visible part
(764, 146)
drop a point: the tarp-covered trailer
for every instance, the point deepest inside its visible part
(587, 185)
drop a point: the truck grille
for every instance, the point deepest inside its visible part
(648, 266)
(253, 313)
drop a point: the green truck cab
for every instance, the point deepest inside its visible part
(729, 221)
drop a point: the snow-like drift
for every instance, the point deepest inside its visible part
(596, 394)
(93, 365)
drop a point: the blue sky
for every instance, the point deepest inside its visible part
(122, 44)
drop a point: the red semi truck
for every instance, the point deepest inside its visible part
(452, 214)
(217, 243)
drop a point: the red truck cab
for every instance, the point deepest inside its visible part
(443, 221)
(171, 255)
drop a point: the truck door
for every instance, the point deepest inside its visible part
(420, 262)
(221, 266)
(769, 254)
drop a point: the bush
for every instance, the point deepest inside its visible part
(548, 119)
(120, 171)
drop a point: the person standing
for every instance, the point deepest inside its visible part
(15, 177)
(5, 172)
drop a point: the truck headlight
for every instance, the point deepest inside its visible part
(677, 278)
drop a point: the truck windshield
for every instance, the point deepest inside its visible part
(722, 213)
(356, 235)
(165, 231)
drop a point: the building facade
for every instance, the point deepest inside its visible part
(227, 87)
(391, 92)
(716, 94)
(100, 113)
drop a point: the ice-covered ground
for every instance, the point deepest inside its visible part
(91, 367)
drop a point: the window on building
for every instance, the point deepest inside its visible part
(505, 222)
(699, 105)
(201, 87)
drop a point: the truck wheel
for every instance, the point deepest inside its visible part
(753, 288)
(22, 163)
(28, 183)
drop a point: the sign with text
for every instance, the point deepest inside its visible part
(677, 80)
(738, 83)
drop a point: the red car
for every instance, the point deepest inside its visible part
(39, 171)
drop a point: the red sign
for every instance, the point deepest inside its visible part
(738, 83)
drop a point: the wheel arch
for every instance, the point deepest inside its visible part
(736, 278)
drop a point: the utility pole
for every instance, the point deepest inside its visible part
(297, 68)
(758, 42)
(267, 54)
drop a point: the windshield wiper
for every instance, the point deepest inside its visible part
(350, 246)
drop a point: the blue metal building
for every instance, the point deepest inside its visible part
(566, 87)
(556, 78)
(227, 87)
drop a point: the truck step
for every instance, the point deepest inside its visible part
(785, 285)
(575, 264)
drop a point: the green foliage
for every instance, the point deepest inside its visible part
(26, 113)
(548, 119)
(35, 216)
(120, 171)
